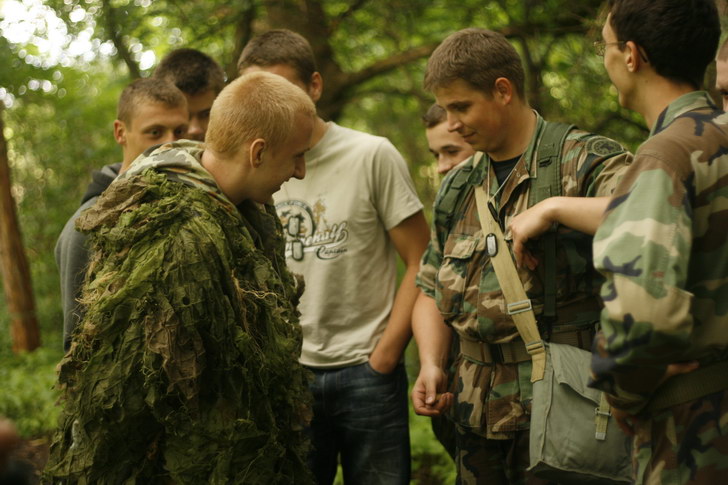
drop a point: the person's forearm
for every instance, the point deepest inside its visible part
(583, 214)
(432, 335)
(398, 331)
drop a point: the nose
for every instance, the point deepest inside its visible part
(299, 170)
(170, 136)
(443, 166)
(453, 123)
(195, 130)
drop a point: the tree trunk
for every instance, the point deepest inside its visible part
(13, 264)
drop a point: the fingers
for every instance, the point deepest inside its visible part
(426, 401)
(624, 421)
(518, 252)
(681, 368)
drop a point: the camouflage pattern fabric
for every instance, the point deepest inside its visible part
(493, 462)
(185, 367)
(686, 444)
(494, 400)
(663, 248)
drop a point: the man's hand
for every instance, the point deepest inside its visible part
(426, 400)
(528, 225)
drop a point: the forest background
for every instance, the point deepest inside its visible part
(63, 64)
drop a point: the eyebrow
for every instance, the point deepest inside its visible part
(458, 103)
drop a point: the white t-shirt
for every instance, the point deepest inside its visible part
(357, 187)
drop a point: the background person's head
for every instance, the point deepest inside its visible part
(721, 73)
(285, 53)
(150, 111)
(448, 147)
(200, 78)
(676, 38)
(260, 127)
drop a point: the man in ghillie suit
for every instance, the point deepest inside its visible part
(185, 368)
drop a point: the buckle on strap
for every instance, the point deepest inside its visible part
(519, 307)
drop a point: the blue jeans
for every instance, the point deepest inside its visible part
(361, 415)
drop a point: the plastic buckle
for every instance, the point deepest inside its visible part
(519, 307)
(597, 412)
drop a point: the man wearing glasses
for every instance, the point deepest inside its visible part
(662, 354)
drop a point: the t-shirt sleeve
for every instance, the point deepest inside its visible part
(393, 191)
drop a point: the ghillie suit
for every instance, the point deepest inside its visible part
(185, 367)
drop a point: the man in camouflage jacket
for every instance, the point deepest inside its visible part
(492, 392)
(663, 351)
(185, 367)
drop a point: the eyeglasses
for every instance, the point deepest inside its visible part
(600, 46)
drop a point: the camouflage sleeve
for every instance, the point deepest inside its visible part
(432, 257)
(594, 164)
(642, 249)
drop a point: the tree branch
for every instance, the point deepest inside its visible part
(385, 65)
(243, 33)
(116, 38)
(356, 5)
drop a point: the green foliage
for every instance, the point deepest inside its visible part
(28, 396)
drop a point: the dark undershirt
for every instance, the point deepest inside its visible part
(502, 169)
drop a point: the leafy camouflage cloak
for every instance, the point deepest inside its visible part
(185, 367)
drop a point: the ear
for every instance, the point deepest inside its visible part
(315, 87)
(257, 147)
(120, 132)
(632, 56)
(503, 90)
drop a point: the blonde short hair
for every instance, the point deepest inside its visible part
(255, 105)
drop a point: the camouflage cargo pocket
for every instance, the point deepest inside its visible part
(453, 274)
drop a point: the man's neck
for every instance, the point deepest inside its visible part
(319, 130)
(223, 172)
(520, 128)
(655, 93)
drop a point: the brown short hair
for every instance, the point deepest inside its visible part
(192, 71)
(280, 46)
(477, 56)
(256, 105)
(435, 115)
(147, 90)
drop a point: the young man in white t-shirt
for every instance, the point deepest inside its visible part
(345, 222)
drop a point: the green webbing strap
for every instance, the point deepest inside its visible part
(545, 183)
(451, 200)
(683, 388)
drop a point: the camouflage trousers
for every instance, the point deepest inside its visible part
(481, 461)
(684, 445)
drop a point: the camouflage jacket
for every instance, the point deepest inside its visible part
(663, 248)
(455, 271)
(185, 367)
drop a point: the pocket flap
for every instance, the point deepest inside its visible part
(460, 247)
(571, 367)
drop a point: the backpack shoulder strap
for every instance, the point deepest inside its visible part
(452, 194)
(545, 183)
(546, 176)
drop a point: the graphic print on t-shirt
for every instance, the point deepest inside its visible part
(308, 231)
